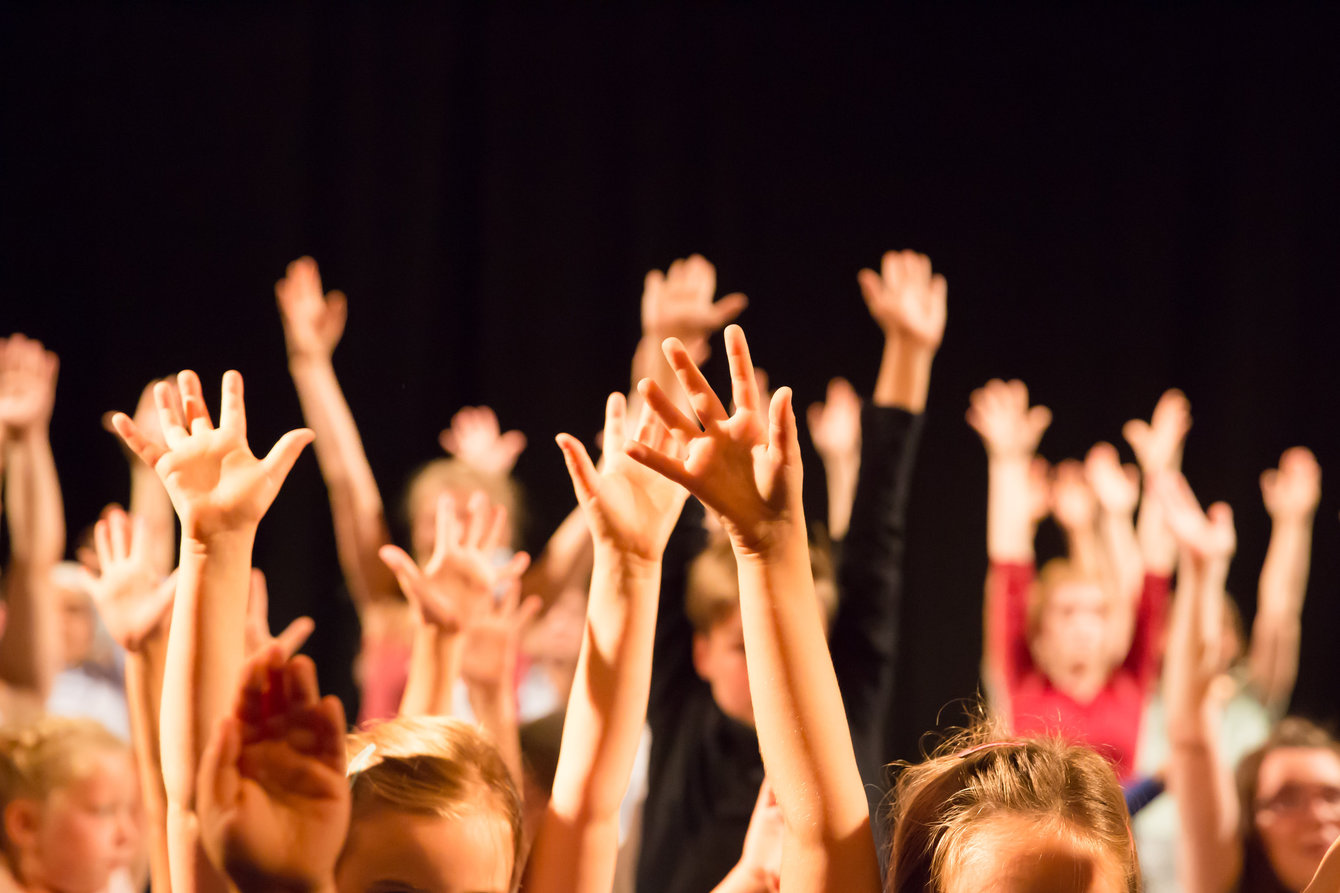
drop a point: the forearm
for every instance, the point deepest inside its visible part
(495, 710)
(143, 686)
(205, 653)
(355, 502)
(802, 728)
(1120, 550)
(841, 475)
(433, 669)
(1085, 550)
(566, 557)
(36, 515)
(904, 376)
(578, 843)
(1158, 548)
(29, 646)
(151, 505)
(1009, 529)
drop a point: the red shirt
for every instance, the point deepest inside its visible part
(1110, 723)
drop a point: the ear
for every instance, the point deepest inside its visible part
(22, 818)
(702, 656)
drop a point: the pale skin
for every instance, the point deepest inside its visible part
(1209, 837)
(29, 652)
(220, 491)
(910, 303)
(835, 429)
(760, 865)
(745, 467)
(1158, 446)
(631, 512)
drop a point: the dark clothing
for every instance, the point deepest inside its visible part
(705, 769)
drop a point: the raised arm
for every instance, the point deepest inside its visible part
(745, 467)
(835, 429)
(313, 323)
(1075, 509)
(456, 583)
(1209, 839)
(910, 305)
(135, 603)
(631, 512)
(149, 502)
(1291, 493)
(1158, 449)
(1010, 431)
(34, 513)
(220, 492)
(1117, 488)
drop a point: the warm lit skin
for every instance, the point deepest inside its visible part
(1070, 643)
(393, 851)
(82, 833)
(1293, 816)
(1028, 854)
(718, 656)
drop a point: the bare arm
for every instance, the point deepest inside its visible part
(313, 324)
(29, 658)
(1075, 509)
(631, 512)
(220, 492)
(910, 305)
(1158, 447)
(746, 468)
(1209, 843)
(1291, 494)
(1117, 489)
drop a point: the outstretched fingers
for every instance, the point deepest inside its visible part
(706, 405)
(783, 438)
(232, 407)
(195, 413)
(678, 423)
(282, 456)
(744, 383)
(130, 434)
(585, 478)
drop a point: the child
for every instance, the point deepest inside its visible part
(70, 806)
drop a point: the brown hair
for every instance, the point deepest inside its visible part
(433, 765)
(458, 476)
(1258, 876)
(713, 590)
(48, 755)
(977, 775)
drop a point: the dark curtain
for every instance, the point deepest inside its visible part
(1122, 200)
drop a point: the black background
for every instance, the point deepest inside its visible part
(1122, 200)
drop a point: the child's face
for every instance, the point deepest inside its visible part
(88, 829)
(1014, 854)
(718, 656)
(1071, 640)
(1298, 810)
(389, 851)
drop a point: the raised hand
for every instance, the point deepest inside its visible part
(492, 637)
(216, 485)
(678, 304)
(258, 635)
(460, 577)
(1203, 535)
(1158, 443)
(1072, 502)
(476, 439)
(146, 414)
(835, 424)
(628, 507)
(27, 385)
(1000, 414)
(1116, 486)
(744, 466)
(1293, 490)
(313, 321)
(906, 299)
(133, 601)
(273, 802)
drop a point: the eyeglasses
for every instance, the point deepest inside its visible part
(1295, 799)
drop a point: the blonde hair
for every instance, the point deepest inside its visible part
(458, 476)
(975, 776)
(432, 765)
(713, 589)
(1054, 574)
(48, 755)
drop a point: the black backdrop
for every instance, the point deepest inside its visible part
(1122, 201)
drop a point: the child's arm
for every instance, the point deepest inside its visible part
(631, 512)
(835, 429)
(313, 324)
(1198, 774)
(29, 658)
(220, 492)
(760, 865)
(1075, 509)
(135, 603)
(1158, 447)
(1117, 488)
(149, 503)
(1010, 431)
(1291, 494)
(746, 468)
(910, 305)
(274, 800)
(455, 584)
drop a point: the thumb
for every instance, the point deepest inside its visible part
(279, 461)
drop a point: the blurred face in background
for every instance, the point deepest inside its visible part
(1071, 638)
(1297, 810)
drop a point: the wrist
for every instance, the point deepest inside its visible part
(302, 359)
(197, 543)
(611, 558)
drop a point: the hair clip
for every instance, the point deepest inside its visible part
(362, 760)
